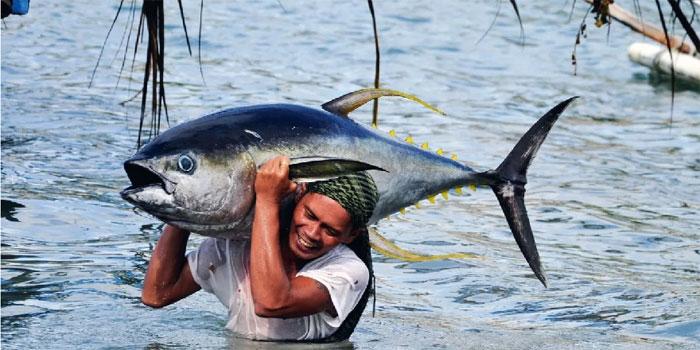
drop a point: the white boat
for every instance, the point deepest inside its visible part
(686, 67)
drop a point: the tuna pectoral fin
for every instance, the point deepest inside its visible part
(311, 169)
(347, 103)
(508, 183)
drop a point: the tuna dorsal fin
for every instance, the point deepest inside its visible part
(347, 103)
(312, 169)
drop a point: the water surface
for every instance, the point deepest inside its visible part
(614, 194)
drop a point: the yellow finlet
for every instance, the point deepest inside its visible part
(409, 139)
(431, 199)
(402, 211)
(424, 146)
(440, 151)
(374, 125)
(392, 133)
(458, 189)
(453, 156)
(444, 195)
(417, 205)
(472, 187)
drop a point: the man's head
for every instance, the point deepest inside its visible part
(331, 212)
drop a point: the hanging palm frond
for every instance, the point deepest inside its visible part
(151, 26)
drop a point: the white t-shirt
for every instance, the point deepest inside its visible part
(221, 267)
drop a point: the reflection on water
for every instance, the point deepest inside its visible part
(613, 195)
(662, 81)
(240, 343)
(9, 209)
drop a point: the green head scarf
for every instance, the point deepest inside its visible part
(356, 192)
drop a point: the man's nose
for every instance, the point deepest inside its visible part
(315, 231)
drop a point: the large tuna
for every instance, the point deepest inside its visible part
(200, 174)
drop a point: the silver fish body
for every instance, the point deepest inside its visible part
(216, 197)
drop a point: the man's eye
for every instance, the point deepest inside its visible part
(309, 215)
(333, 233)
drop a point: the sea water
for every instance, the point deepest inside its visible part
(613, 195)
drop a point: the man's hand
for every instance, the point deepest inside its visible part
(272, 182)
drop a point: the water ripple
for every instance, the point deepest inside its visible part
(612, 196)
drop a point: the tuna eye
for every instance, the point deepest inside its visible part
(185, 163)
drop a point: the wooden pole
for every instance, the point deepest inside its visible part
(628, 19)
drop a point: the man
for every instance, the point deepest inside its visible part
(296, 279)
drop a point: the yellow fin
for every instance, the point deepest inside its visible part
(472, 187)
(440, 151)
(453, 156)
(444, 194)
(389, 249)
(424, 146)
(414, 98)
(347, 103)
(417, 205)
(458, 189)
(402, 211)
(409, 139)
(431, 199)
(392, 133)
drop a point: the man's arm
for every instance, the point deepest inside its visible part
(274, 293)
(168, 278)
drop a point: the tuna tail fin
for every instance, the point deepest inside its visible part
(508, 183)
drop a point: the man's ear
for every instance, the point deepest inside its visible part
(300, 192)
(356, 232)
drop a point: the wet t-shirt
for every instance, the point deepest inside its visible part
(221, 267)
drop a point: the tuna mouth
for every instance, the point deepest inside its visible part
(142, 177)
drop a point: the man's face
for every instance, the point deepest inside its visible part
(318, 225)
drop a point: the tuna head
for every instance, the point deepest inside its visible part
(207, 192)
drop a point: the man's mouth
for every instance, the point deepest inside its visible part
(306, 243)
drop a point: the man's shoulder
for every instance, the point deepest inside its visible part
(220, 249)
(340, 257)
(340, 252)
(226, 243)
